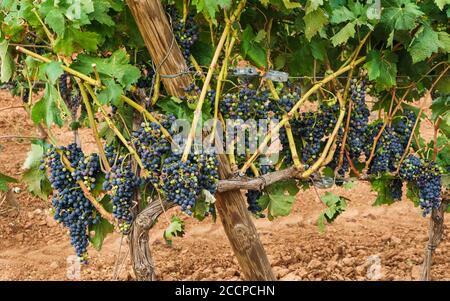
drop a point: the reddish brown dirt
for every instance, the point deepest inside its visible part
(33, 246)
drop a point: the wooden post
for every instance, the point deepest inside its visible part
(156, 32)
(434, 238)
(160, 42)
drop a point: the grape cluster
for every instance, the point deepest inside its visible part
(358, 120)
(388, 152)
(405, 126)
(183, 182)
(71, 98)
(122, 182)
(185, 31)
(311, 128)
(152, 146)
(72, 208)
(427, 177)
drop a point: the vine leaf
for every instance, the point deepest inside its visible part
(75, 40)
(384, 196)
(111, 94)
(314, 22)
(347, 32)
(291, 5)
(441, 3)
(116, 66)
(439, 106)
(382, 67)
(35, 178)
(47, 109)
(103, 227)
(210, 7)
(312, 5)
(251, 49)
(400, 14)
(175, 229)
(7, 63)
(425, 43)
(279, 198)
(4, 180)
(56, 21)
(335, 206)
(53, 71)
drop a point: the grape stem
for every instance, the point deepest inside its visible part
(93, 125)
(286, 118)
(405, 153)
(116, 131)
(212, 68)
(292, 146)
(219, 86)
(330, 140)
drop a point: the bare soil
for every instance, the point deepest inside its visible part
(364, 243)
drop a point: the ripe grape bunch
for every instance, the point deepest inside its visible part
(72, 208)
(185, 31)
(121, 182)
(184, 182)
(71, 98)
(426, 175)
(152, 146)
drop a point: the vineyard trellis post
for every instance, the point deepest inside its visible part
(155, 29)
(434, 238)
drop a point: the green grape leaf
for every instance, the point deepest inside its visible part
(282, 196)
(439, 106)
(79, 11)
(441, 3)
(412, 193)
(291, 5)
(101, 229)
(318, 49)
(382, 67)
(76, 40)
(251, 49)
(36, 179)
(314, 22)
(312, 5)
(210, 7)
(175, 229)
(444, 39)
(400, 14)
(342, 14)
(336, 205)
(7, 63)
(347, 32)
(4, 180)
(47, 109)
(111, 94)
(53, 71)
(100, 13)
(56, 21)
(384, 196)
(425, 43)
(116, 66)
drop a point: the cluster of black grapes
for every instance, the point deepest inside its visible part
(426, 175)
(312, 127)
(359, 119)
(72, 208)
(183, 182)
(245, 104)
(70, 96)
(152, 146)
(186, 31)
(121, 182)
